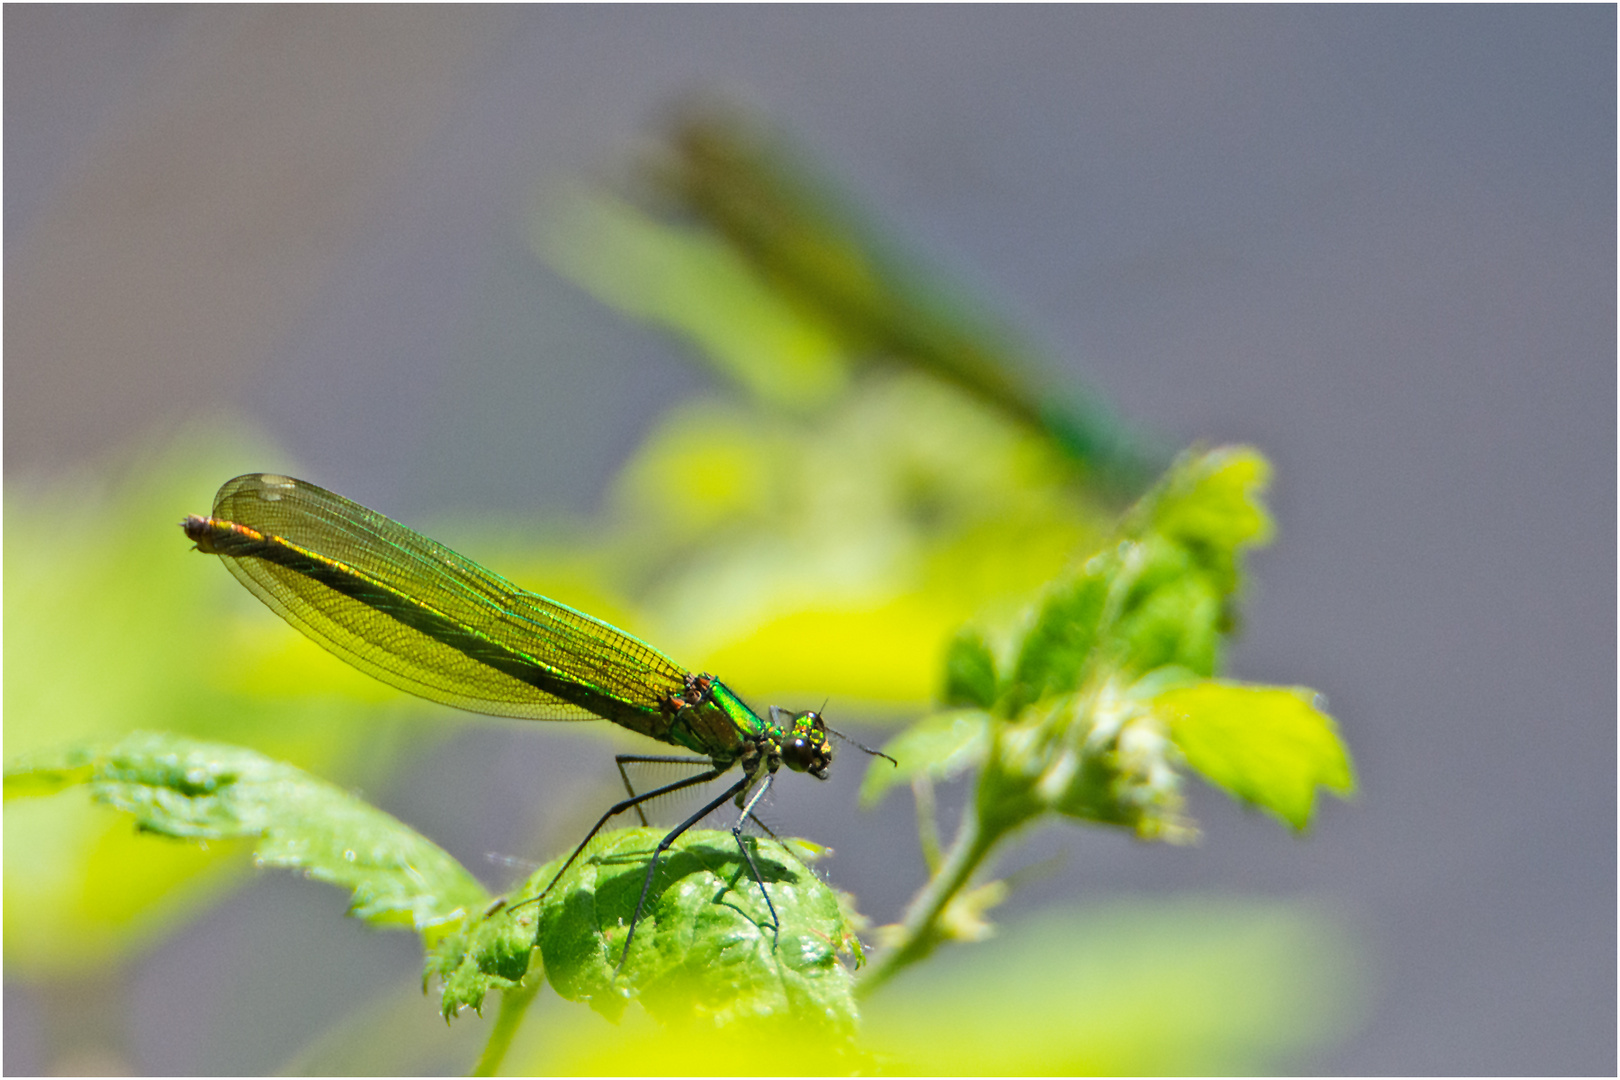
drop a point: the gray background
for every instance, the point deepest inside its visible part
(1377, 242)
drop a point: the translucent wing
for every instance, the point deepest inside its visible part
(415, 614)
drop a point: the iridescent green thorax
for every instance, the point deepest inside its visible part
(711, 720)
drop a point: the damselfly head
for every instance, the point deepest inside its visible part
(805, 747)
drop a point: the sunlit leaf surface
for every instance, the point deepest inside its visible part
(704, 950)
(1268, 745)
(942, 745)
(185, 789)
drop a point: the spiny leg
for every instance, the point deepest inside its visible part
(736, 834)
(784, 845)
(770, 832)
(650, 759)
(663, 845)
(619, 808)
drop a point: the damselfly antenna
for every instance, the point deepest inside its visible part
(862, 746)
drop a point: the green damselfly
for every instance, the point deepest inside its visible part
(416, 615)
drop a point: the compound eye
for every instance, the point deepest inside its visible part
(805, 755)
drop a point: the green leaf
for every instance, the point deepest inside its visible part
(704, 950)
(30, 782)
(941, 745)
(186, 789)
(1061, 637)
(1176, 622)
(692, 283)
(1160, 594)
(970, 671)
(1214, 500)
(493, 950)
(1266, 745)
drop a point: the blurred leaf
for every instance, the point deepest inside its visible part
(185, 789)
(1061, 637)
(704, 470)
(970, 672)
(1211, 506)
(692, 283)
(1160, 595)
(941, 745)
(855, 545)
(568, 1041)
(1194, 986)
(1174, 611)
(1266, 745)
(82, 886)
(31, 782)
(704, 951)
(1215, 501)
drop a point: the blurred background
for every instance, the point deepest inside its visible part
(1379, 244)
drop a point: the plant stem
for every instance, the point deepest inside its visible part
(920, 933)
(514, 1003)
(922, 793)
